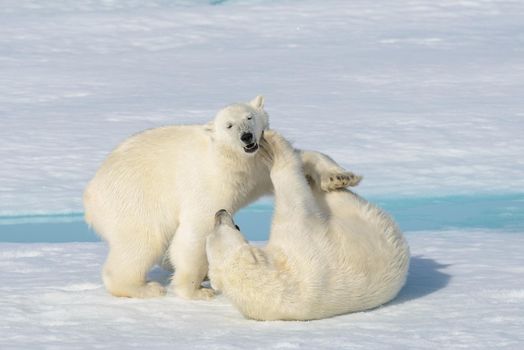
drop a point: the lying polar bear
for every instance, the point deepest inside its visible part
(329, 253)
(156, 194)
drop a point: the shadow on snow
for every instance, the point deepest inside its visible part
(424, 277)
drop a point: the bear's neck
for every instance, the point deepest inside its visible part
(229, 159)
(243, 177)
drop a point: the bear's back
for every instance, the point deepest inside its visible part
(140, 176)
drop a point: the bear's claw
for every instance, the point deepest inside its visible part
(151, 290)
(203, 294)
(198, 294)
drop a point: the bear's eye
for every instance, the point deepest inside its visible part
(249, 117)
(238, 228)
(229, 125)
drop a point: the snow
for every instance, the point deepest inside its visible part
(465, 289)
(423, 98)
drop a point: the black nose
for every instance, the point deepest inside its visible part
(247, 137)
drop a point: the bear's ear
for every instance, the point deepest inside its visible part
(257, 102)
(209, 127)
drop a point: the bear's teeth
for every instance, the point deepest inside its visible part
(252, 147)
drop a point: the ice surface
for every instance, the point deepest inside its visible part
(465, 289)
(420, 97)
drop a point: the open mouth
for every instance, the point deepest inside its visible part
(252, 147)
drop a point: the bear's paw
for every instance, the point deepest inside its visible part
(338, 179)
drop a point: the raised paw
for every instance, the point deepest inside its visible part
(265, 152)
(276, 143)
(278, 148)
(337, 180)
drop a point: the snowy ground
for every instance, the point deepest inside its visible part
(465, 290)
(419, 96)
(424, 98)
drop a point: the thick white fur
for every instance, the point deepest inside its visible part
(329, 253)
(157, 193)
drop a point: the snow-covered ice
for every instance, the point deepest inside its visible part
(424, 98)
(465, 290)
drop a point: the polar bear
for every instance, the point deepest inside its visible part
(328, 253)
(156, 194)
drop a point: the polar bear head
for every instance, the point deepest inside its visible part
(222, 246)
(240, 126)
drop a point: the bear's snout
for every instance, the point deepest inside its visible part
(223, 217)
(246, 137)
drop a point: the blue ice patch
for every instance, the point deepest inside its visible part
(504, 212)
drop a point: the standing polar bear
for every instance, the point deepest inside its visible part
(156, 194)
(328, 253)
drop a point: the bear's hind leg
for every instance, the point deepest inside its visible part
(126, 268)
(326, 173)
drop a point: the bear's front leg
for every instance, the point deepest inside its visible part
(324, 172)
(187, 252)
